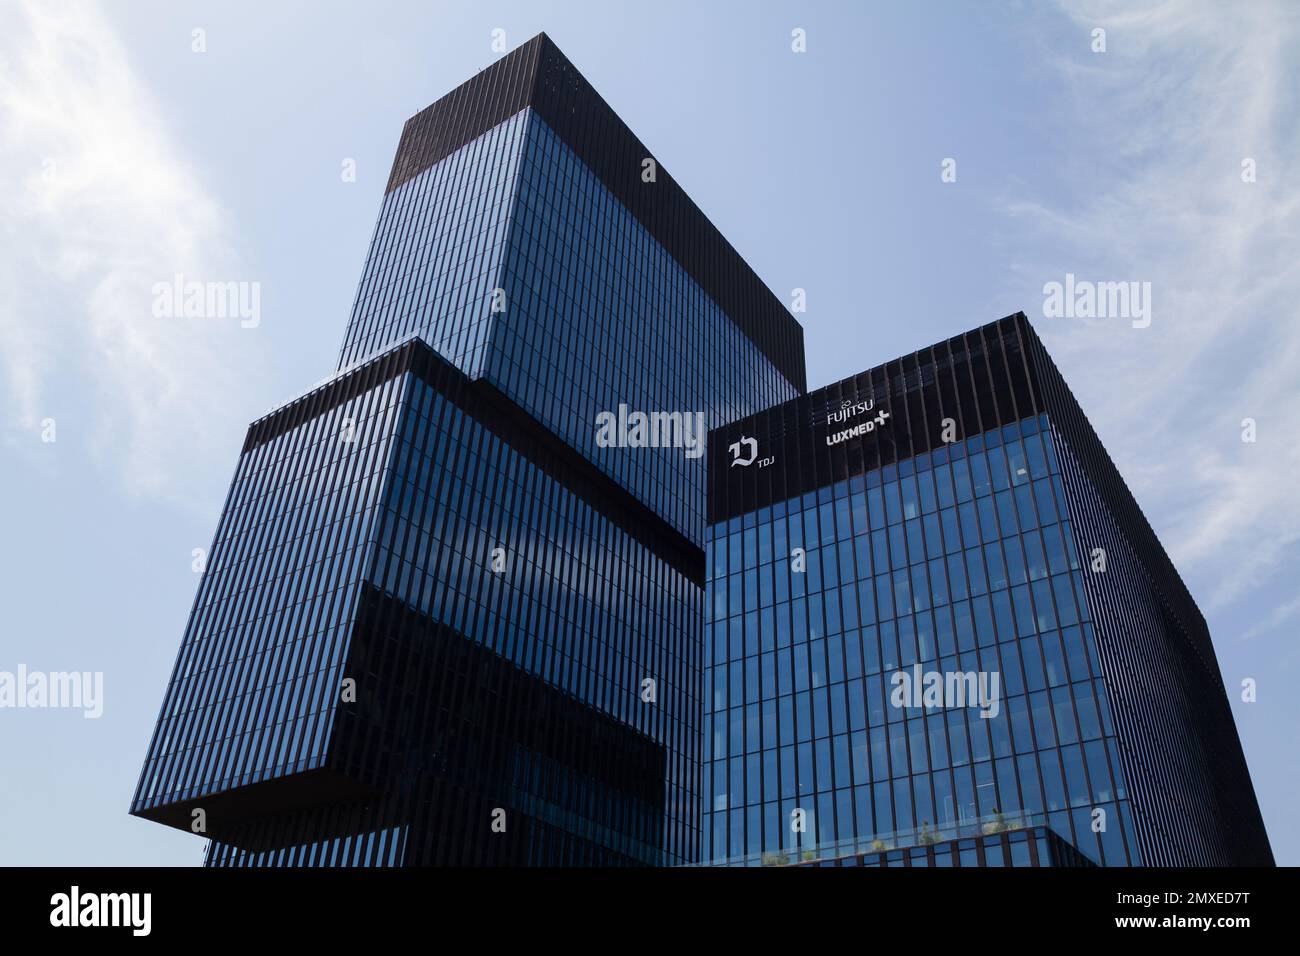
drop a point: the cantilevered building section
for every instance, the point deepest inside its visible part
(439, 622)
(948, 513)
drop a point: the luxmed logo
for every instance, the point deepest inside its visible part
(103, 909)
(860, 429)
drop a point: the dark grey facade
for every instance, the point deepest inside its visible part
(441, 622)
(953, 513)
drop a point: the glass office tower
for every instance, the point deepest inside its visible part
(440, 621)
(941, 632)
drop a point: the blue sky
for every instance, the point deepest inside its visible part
(128, 158)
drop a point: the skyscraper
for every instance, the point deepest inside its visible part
(941, 632)
(442, 621)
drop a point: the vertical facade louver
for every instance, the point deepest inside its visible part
(440, 622)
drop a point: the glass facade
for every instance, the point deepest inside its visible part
(251, 698)
(441, 624)
(934, 609)
(600, 314)
(572, 598)
(437, 253)
(403, 530)
(515, 261)
(960, 560)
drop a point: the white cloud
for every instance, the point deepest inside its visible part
(100, 203)
(1157, 130)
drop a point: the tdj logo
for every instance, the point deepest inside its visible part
(736, 455)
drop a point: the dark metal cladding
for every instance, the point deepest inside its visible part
(537, 74)
(965, 378)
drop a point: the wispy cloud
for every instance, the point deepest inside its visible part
(1280, 615)
(100, 203)
(1157, 130)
